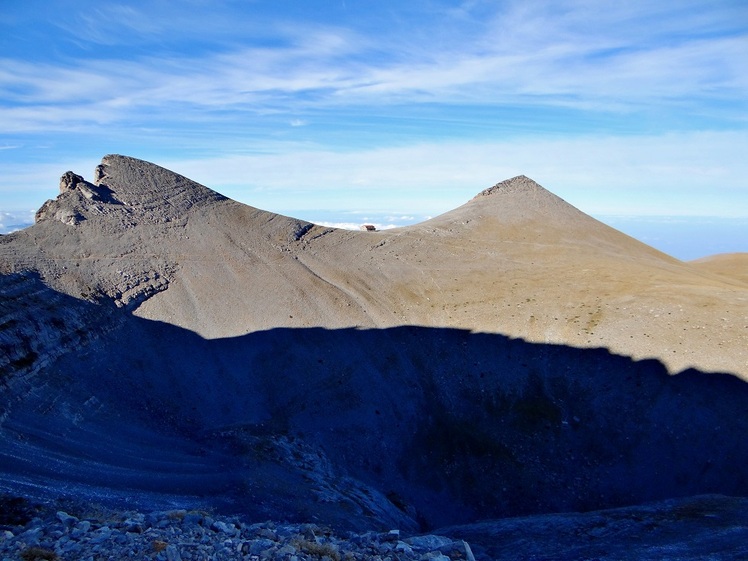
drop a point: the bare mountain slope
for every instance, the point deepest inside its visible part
(515, 260)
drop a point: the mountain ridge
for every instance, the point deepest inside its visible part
(182, 253)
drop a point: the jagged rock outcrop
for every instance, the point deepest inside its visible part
(77, 199)
(169, 346)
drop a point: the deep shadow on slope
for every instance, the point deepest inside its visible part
(363, 428)
(686, 529)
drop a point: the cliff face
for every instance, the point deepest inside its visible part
(161, 344)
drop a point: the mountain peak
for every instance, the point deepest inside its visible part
(520, 200)
(140, 189)
(519, 184)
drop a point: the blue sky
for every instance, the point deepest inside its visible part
(351, 111)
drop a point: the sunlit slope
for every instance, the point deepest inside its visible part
(515, 260)
(732, 266)
(520, 261)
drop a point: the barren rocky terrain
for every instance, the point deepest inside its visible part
(165, 347)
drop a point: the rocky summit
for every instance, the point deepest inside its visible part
(166, 349)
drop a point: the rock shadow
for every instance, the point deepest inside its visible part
(359, 428)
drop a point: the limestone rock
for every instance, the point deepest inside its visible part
(69, 181)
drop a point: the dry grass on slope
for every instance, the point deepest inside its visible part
(730, 265)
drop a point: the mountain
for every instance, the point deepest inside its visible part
(515, 260)
(164, 345)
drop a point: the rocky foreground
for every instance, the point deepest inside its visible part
(705, 527)
(194, 535)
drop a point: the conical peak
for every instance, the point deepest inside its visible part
(518, 184)
(521, 198)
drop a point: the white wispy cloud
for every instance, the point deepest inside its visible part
(412, 110)
(581, 55)
(12, 221)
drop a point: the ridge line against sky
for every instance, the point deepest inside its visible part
(318, 108)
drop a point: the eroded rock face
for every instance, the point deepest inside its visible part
(69, 181)
(77, 199)
(47, 325)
